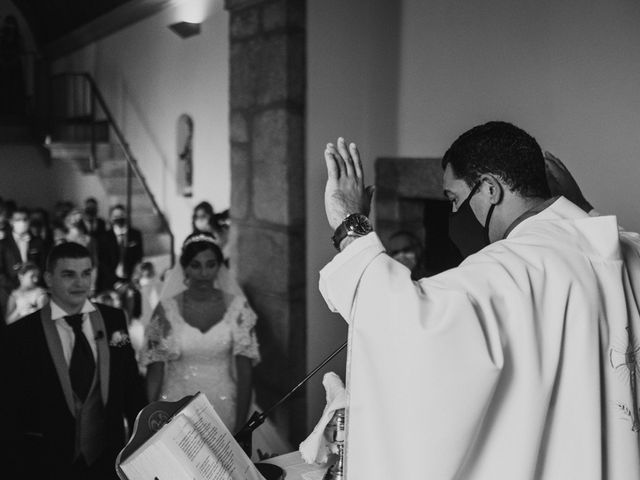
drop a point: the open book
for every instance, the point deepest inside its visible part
(194, 445)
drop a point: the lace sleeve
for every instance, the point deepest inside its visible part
(159, 344)
(245, 342)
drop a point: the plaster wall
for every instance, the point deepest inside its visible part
(149, 77)
(352, 92)
(567, 72)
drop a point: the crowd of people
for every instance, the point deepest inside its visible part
(28, 235)
(121, 276)
(120, 335)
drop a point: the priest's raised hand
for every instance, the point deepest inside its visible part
(345, 192)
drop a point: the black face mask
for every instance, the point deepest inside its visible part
(466, 232)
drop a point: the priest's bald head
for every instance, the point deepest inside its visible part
(493, 174)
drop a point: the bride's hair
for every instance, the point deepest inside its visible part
(196, 243)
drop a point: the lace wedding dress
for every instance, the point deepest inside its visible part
(197, 361)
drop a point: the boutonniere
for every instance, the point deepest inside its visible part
(119, 339)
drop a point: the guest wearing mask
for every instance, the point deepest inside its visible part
(203, 218)
(120, 249)
(17, 248)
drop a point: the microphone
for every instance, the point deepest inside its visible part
(243, 437)
(99, 335)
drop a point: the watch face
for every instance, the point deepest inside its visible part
(358, 224)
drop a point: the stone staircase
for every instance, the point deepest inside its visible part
(83, 131)
(111, 171)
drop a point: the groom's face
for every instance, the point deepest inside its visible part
(70, 282)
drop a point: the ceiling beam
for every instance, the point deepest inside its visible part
(117, 19)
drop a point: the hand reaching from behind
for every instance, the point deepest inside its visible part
(345, 192)
(561, 182)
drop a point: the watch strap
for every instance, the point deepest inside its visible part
(354, 225)
(340, 234)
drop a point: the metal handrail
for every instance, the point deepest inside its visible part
(131, 161)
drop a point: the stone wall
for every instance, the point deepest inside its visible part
(267, 115)
(409, 197)
(402, 185)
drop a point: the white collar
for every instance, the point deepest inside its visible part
(58, 312)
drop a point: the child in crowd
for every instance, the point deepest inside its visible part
(28, 297)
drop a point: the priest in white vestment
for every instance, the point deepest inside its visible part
(519, 364)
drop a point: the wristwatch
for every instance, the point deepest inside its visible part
(354, 225)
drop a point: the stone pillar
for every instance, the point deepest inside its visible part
(267, 112)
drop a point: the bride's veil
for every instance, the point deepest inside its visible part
(174, 282)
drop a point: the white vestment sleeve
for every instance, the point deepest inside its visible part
(423, 364)
(351, 262)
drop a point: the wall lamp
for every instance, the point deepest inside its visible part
(185, 29)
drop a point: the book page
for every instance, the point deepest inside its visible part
(200, 442)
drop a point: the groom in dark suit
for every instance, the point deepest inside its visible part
(69, 379)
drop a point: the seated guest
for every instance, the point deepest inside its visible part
(119, 250)
(29, 296)
(17, 248)
(73, 380)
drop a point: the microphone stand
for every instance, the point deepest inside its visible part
(243, 437)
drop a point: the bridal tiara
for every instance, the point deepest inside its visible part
(199, 238)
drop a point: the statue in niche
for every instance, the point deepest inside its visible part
(184, 171)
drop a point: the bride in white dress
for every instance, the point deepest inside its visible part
(201, 338)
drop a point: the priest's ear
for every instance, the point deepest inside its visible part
(493, 187)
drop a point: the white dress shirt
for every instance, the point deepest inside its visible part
(67, 337)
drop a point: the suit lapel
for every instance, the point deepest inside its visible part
(102, 346)
(57, 355)
(14, 251)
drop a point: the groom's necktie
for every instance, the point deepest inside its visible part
(83, 365)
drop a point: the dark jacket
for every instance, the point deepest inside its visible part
(39, 420)
(10, 260)
(109, 257)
